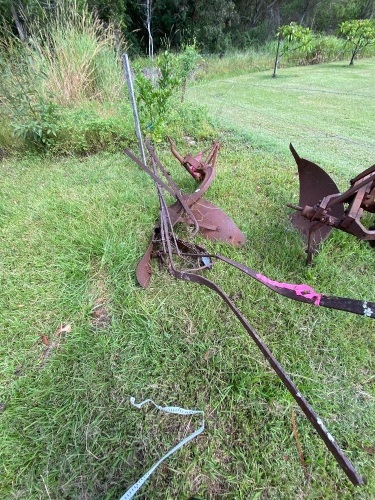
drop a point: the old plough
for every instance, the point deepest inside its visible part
(322, 207)
(185, 260)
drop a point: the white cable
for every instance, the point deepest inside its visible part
(128, 495)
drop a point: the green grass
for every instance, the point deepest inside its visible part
(326, 111)
(72, 232)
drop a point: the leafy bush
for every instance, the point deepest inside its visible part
(96, 127)
(154, 89)
(40, 127)
(188, 62)
(32, 116)
(292, 38)
(157, 86)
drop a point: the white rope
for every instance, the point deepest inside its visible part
(167, 409)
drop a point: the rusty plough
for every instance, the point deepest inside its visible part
(322, 207)
(190, 209)
(213, 223)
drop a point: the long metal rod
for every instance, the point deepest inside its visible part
(343, 197)
(299, 292)
(129, 81)
(173, 186)
(305, 406)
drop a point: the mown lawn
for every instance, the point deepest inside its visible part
(79, 337)
(326, 111)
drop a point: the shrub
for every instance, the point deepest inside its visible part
(157, 86)
(359, 33)
(292, 38)
(32, 116)
(188, 63)
(154, 89)
(92, 128)
(68, 60)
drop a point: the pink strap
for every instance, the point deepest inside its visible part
(302, 290)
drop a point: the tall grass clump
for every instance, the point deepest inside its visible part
(77, 53)
(68, 60)
(322, 49)
(237, 62)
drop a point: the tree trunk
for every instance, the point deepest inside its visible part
(276, 58)
(148, 26)
(368, 11)
(355, 52)
(20, 28)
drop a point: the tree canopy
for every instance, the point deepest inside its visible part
(214, 24)
(359, 33)
(294, 37)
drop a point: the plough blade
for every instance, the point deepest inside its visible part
(322, 207)
(191, 209)
(216, 225)
(314, 185)
(143, 272)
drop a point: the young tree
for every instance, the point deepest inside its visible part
(359, 33)
(154, 94)
(188, 59)
(291, 37)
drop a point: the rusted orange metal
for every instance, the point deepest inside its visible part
(322, 207)
(190, 209)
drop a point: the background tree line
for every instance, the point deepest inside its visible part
(216, 25)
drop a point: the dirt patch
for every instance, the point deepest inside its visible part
(100, 317)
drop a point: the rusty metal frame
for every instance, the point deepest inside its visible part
(165, 245)
(322, 207)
